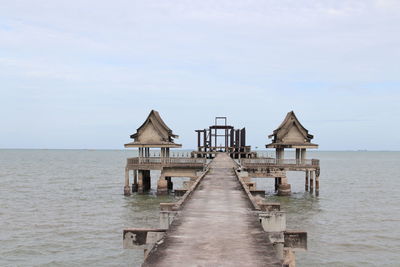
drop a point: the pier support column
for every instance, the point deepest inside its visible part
(162, 185)
(170, 184)
(135, 182)
(303, 155)
(317, 182)
(289, 258)
(311, 182)
(127, 188)
(284, 188)
(146, 180)
(297, 155)
(276, 184)
(306, 184)
(140, 181)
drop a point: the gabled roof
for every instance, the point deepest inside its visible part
(289, 123)
(157, 125)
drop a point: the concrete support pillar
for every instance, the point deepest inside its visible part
(303, 155)
(289, 258)
(140, 181)
(127, 189)
(135, 182)
(284, 188)
(280, 153)
(311, 182)
(279, 247)
(297, 155)
(146, 180)
(306, 184)
(317, 183)
(276, 184)
(162, 185)
(170, 184)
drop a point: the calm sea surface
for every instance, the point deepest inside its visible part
(66, 208)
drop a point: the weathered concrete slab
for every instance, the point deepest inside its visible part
(216, 226)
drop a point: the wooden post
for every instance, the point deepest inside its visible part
(311, 182)
(276, 184)
(317, 183)
(127, 189)
(306, 180)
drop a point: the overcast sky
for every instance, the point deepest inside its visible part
(85, 74)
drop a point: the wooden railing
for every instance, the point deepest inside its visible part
(166, 161)
(272, 162)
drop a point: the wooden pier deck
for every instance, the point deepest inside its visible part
(216, 226)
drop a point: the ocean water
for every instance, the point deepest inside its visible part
(66, 208)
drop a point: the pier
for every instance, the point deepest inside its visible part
(221, 217)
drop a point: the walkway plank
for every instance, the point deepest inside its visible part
(216, 226)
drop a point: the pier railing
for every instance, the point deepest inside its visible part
(166, 162)
(273, 162)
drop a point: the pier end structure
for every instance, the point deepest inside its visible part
(291, 134)
(152, 136)
(222, 137)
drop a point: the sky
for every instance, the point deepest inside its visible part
(85, 74)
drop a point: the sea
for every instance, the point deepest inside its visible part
(67, 208)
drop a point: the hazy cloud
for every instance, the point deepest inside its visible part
(71, 70)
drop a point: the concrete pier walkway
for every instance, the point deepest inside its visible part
(216, 226)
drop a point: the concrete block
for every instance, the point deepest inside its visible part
(296, 240)
(167, 206)
(270, 206)
(166, 218)
(180, 192)
(274, 221)
(141, 237)
(256, 192)
(251, 185)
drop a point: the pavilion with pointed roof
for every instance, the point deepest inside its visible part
(153, 133)
(291, 134)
